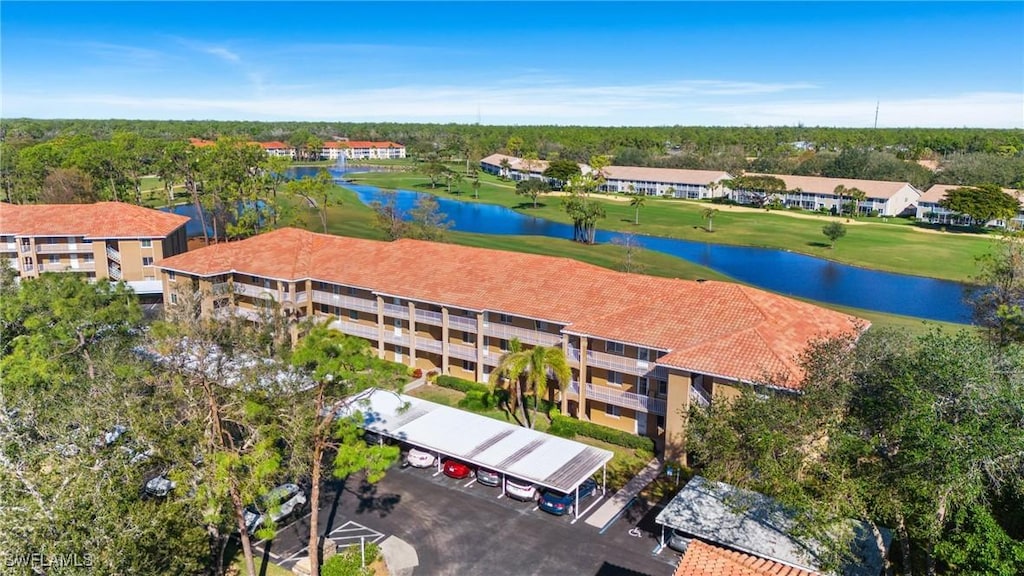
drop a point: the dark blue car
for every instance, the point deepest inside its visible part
(560, 503)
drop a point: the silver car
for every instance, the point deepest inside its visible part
(281, 502)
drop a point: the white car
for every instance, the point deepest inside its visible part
(520, 490)
(419, 458)
(281, 502)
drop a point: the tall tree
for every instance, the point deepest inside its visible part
(532, 189)
(709, 215)
(997, 298)
(636, 203)
(561, 171)
(529, 371)
(339, 366)
(390, 217)
(317, 191)
(426, 221)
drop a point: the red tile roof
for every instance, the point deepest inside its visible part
(273, 145)
(361, 144)
(703, 559)
(717, 328)
(99, 220)
(200, 143)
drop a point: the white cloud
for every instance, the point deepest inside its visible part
(522, 100)
(222, 53)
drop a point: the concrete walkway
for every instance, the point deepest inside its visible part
(399, 556)
(618, 502)
(415, 384)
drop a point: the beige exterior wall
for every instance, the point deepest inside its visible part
(678, 403)
(625, 421)
(722, 390)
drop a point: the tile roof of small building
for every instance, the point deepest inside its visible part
(99, 220)
(717, 328)
(361, 144)
(819, 184)
(702, 559)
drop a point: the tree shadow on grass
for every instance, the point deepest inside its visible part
(819, 244)
(528, 206)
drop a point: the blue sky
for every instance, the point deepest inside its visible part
(607, 63)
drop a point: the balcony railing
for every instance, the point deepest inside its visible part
(462, 351)
(10, 247)
(618, 363)
(428, 317)
(114, 272)
(221, 288)
(525, 335)
(699, 396)
(244, 289)
(573, 354)
(28, 267)
(428, 345)
(400, 338)
(347, 302)
(462, 323)
(396, 311)
(113, 254)
(625, 399)
(25, 247)
(355, 329)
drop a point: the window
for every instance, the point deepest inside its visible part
(642, 386)
(504, 319)
(147, 260)
(612, 410)
(54, 259)
(503, 345)
(147, 243)
(614, 347)
(353, 314)
(397, 322)
(660, 421)
(662, 387)
(468, 338)
(171, 276)
(266, 283)
(644, 354)
(469, 365)
(614, 378)
(174, 298)
(92, 258)
(149, 277)
(351, 291)
(541, 326)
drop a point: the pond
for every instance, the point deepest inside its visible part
(776, 270)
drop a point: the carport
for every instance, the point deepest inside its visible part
(753, 523)
(545, 460)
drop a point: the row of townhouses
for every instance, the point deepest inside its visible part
(333, 150)
(883, 198)
(928, 209)
(104, 240)
(641, 348)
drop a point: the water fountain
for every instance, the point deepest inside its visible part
(340, 167)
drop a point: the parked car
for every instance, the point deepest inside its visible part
(456, 469)
(520, 489)
(419, 458)
(281, 502)
(560, 503)
(374, 439)
(488, 477)
(679, 541)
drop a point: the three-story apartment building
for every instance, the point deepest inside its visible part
(641, 348)
(103, 240)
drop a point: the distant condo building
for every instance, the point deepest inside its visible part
(642, 349)
(331, 150)
(929, 209)
(103, 240)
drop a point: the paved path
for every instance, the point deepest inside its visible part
(618, 502)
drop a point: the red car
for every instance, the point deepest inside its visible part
(457, 470)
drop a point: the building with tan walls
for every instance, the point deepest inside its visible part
(641, 348)
(103, 240)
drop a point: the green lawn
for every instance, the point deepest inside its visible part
(895, 246)
(355, 219)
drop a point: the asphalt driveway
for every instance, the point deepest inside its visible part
(459, 527)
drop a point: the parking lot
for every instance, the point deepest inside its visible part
(462, 527)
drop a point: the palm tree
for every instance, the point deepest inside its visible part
(530, 371)
(476, 187)
(637, 203)
(709, 215)
(506, 167)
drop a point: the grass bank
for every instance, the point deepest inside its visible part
(353, 218)
(893, 246)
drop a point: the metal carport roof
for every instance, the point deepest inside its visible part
(534, 456)
(756, 524)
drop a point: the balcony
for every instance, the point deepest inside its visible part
(296, 297)
(524, 335)
(355, 329)
(618, 363)
(398, 338)
(624, 399)
(347, 302)
(113, 254)
(573, 354)
(53, 266)
(221, 288)
(243, 289)
(428, 345)
(63, 248)
(428, 317)
(396, 311)
(463, 323)
(10, 247)
(699, 396)
(114, 272)
(462, 351)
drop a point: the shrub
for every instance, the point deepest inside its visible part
(417, 373)
(478, 400)
(567, 427)
(349, 562)
(460, 384)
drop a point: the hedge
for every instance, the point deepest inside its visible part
(461, 385)
(567, 427)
